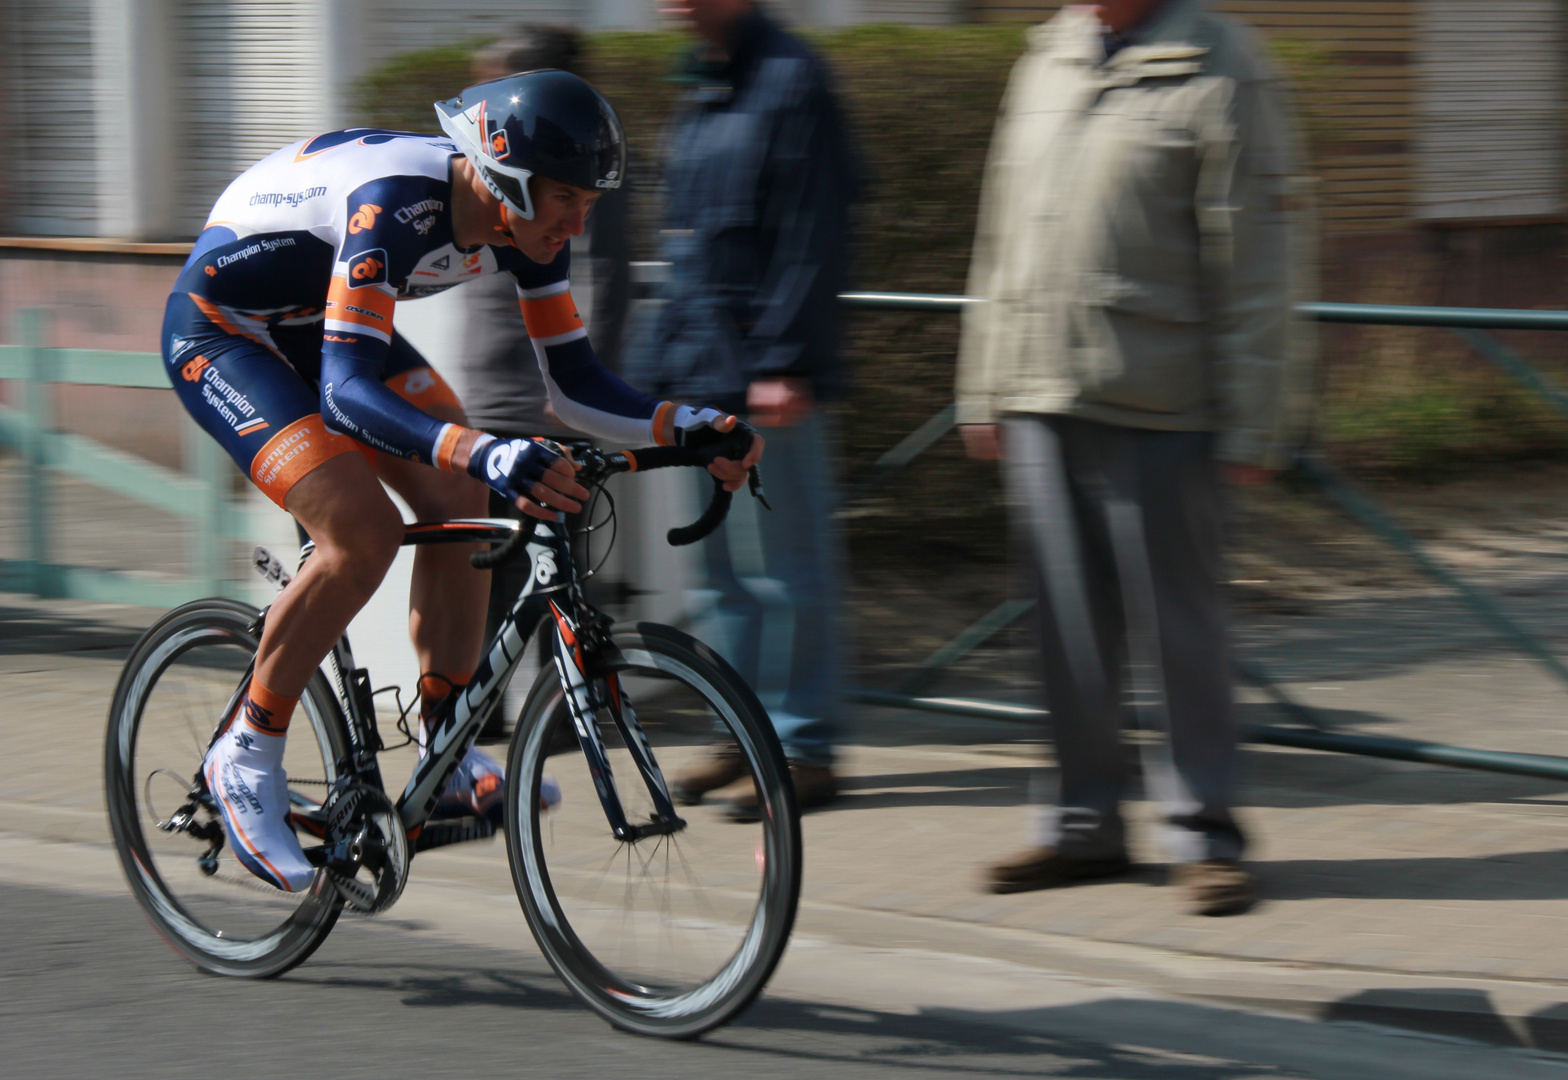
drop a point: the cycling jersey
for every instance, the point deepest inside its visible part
(304, 257)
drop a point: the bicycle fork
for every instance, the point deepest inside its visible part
(590, 678)
(584, 664)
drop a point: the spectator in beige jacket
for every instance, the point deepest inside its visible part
(1137, 250)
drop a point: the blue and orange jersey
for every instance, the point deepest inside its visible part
(333, 231)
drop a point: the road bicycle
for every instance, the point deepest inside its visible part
(666, 922)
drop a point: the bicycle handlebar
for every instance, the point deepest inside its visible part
(596, 466)
(509, 550)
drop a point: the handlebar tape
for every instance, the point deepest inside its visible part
(665, 457)
(653, 457)
(711, 519)
(661, 457)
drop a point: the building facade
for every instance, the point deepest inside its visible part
(126, 118)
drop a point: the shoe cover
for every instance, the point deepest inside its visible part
(244, 771)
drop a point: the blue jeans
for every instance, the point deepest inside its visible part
(773, 603)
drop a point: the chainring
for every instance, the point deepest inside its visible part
(369, 863)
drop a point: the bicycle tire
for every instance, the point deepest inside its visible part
(154, 740)
(556, 885)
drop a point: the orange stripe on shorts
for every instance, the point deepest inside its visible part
(293, 453)
(216, 315)
(552, 316)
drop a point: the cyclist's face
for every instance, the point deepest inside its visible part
(560, 213)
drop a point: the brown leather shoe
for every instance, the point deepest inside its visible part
(724, 765)
(1215, 886)
(815, 785)
(1046, 868)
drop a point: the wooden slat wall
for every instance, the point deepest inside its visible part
(912, 12)
(1490, 76)
(1358, 101)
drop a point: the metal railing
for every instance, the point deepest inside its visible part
(1471, 326)
(203, 499)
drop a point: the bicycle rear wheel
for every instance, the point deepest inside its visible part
(201, 900)
(668, 935)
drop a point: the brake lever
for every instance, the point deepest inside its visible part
(754, 482)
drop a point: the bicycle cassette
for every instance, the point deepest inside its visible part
(366, 850)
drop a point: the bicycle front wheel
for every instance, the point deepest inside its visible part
(669, 935)
(200, 899)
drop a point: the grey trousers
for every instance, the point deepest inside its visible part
(1123, 529)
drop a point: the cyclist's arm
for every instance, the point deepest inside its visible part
(355, 340)
(589, 397)
(583, 392)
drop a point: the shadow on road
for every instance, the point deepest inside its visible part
(1528, 875)
(104, 631)
(91, 992)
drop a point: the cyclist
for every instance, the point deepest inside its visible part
(279, 340)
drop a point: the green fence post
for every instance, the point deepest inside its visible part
(204, 463)
(215, 507)
(38, 401)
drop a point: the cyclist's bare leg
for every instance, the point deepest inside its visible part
(446, 617)
(447, 598)
(357, 530)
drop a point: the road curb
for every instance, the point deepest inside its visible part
(1522, 1014)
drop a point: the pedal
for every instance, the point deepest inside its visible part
(270, 567)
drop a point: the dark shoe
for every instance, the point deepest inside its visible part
(725, 764)
(1046, 868)
(477, 789)
(1214, 886)
(815, 785)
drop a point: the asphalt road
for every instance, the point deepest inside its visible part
(87, 990)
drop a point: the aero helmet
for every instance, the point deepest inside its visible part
(549, 123)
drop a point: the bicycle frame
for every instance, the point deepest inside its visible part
(585, 657)
(582, 655)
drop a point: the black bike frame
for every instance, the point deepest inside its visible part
(586, 663)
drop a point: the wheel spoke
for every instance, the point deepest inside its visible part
(676, 932)
(180, 677)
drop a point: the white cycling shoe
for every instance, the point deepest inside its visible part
(244, 771)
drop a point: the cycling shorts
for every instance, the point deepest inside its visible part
(257, 393)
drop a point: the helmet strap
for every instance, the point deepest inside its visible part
(501, 226)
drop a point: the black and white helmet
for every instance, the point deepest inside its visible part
(549, 123)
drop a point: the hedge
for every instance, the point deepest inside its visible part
(922, 104)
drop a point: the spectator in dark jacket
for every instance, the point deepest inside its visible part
(760, 177)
